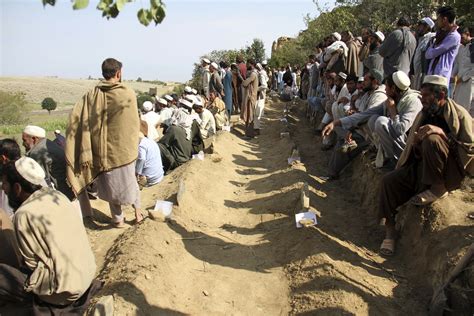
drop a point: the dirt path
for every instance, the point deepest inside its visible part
(232, 246)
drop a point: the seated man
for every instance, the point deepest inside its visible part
(58, 266)
(9, 151)
(389, 121)
(60, 139)
(152, 119)
(176, 144)
(217, 108)
(149, 168)
(354, 142)
(207, 124)
(50, 157)
(438, 154)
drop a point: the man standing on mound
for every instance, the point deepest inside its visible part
(102, 142)
(438, 154)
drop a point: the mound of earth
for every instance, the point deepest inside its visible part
(231, 245)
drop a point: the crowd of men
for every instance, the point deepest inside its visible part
(403, 100)
(388, 97)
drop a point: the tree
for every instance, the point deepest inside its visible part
(49, 104)
(256, 50)
(111, 9)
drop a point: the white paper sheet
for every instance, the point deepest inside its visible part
(305, 215)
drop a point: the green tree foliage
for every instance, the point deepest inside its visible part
(12, 107)
(354, 15)
(111, 9)
(142, 97)
(256, 50)
(49, 104)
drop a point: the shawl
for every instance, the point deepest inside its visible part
(102, 133)
(460, 126)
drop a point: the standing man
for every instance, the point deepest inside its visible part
(398, 49)
(215, 82)
(49, 156)
(206, 76)
(102, 142)
(250, 86)
(227, 82)
(262, 89)
(420, 64)
(443, 49)
(352, 62)
(374, 61)
(464, 71)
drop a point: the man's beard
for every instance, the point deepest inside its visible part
(373, 46)
(367, 89)
(433, 109)
(13, 201)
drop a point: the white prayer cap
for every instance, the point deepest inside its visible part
(401, 80)
(428, 21)
(206, 61)
(190, 98)
(198, 102)
(168, 98)
(194, 91)
(360, 79)
(342, 75)
(162, 101)
(188, 89)
(265, 62)
(30, 170)
(147, 106)
(185, 103)
(337, 36)
(215, 65)
(259, 66)
(35, 131)
(380, 36)
(57, 131)
(437, 80)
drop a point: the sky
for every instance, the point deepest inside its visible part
(59, 41)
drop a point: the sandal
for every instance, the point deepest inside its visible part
(387, 248)
(426, 197)
(120, 224)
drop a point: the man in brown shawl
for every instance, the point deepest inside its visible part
(438, 154)
(102, 142)
(250, 86)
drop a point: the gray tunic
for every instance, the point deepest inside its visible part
(50, 156)
(397, 51)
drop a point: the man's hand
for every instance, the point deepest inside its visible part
(427, 130)
(328, 129)
(343, 100)
(348, 137)
(391, 107)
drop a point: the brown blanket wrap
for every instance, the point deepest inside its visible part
(102, 133)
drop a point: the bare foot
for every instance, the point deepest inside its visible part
(138, 216)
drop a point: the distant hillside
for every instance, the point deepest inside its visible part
(65, 91)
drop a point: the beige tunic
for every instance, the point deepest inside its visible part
(54, 246)
(250, 96)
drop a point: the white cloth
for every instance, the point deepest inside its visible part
(152, 119)
(208, 124)
(165, 114)
(464, 70)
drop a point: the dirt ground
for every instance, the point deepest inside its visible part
(231, 246)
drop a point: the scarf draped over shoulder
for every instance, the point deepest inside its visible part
(102, 133)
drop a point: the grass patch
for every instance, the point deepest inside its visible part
(49, 126)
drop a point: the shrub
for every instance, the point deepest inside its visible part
(142, 97)
(12, 107)
(49, 104)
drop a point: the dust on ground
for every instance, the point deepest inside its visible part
(232, 246)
